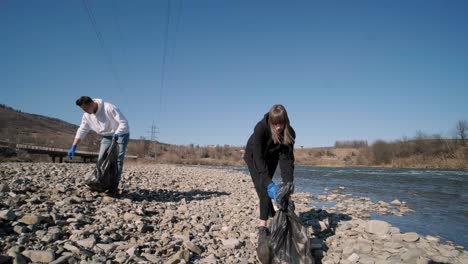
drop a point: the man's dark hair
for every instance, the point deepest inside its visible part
(84, 100)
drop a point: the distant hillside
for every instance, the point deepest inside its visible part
(25, 128)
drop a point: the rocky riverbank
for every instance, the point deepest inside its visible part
(185, 214)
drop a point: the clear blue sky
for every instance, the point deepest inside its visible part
(206, 74)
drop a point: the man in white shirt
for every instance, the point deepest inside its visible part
(106, 120)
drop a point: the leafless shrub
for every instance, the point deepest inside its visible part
(351, 144)
(462, 129)
(364, 157)
(382, 153)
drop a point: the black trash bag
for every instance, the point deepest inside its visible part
(104, 176)
(263, 246)
(289, 240)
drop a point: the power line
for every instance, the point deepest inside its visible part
(166, 54)
(106, 53)
(119, 31)
(163, 62)
(178, 15)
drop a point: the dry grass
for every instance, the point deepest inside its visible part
(421, 152)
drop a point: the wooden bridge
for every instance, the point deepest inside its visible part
(86, 156)
(58, 152)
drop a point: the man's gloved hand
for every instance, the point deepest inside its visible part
(71, 152)
(115, 137)
(273, 190)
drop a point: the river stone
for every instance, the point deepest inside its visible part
(106, 247)
(39, 256)
(87, 243)
(433, 239)
(4, 188)
(71, 248)
(19, 259)
(180, 255)
(30, 219)
(410, 237)
(20, 229)
(62, 260)
(131, 217)
(7, 215)
(377, 227)
(132, 251)
(211, 259)
(151, 258)
(412, 255)
(232, 243)
(353, 258)
(192, 247)
(5, 259)
(424, 260)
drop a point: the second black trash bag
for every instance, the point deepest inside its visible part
(105, 174)
(289, 240)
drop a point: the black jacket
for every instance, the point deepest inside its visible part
(265, 154)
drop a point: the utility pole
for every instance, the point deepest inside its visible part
(154, 136)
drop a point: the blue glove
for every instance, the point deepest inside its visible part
(273, 190)
(115, 137)
(71, 152)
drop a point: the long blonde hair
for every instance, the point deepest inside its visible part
(278, 115)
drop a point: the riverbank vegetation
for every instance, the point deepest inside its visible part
(420, 151)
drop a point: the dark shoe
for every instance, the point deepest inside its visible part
(263, 231)
(114, 192)
(263, 245)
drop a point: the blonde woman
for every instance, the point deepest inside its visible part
(271, 143)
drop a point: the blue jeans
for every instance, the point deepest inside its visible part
(123, 142)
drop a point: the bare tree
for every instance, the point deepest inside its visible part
(382, 152)
(462, 129)
(351, 144)
(403, 147)
(420, 141)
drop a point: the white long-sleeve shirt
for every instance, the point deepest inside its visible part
(107, 121)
